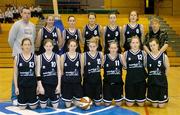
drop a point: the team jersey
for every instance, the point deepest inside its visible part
(72, 69)
(69, 35)
(89, 33)
(111, 35)
(156, 70)
(92, 67)
(49, 69)
(26, 71)
(130, 32)
(135, 67)
(113, 69)
(52, 34)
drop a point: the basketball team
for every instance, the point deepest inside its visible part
(60, 69)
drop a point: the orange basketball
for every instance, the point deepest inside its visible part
(85, 103)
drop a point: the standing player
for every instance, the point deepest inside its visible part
(132, 29)
(48, 75)
(135, 83)
(92, 82)
(49, 31)
(72, 33)
(113, 83)
(111, 33)
(24, 76)
(71, 75)
(157, 66)
(91, 30)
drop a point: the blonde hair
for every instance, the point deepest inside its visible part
(47, 18)
(154, 20)
(94, 40)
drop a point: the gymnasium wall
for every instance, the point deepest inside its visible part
(176, 7)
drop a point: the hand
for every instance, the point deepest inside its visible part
(37, 90)
(17, 91)
(57, 91)
(41, 90)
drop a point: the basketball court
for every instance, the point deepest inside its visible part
(168, 13)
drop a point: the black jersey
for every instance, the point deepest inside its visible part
(135, 67)
(89, 33)
(72, 69)
(92, 67)
(46, 34)
(69, 35)
(26, 71)
(49, 69)
(130, 32)
(111, 35)
(156, 70)
(113, 69)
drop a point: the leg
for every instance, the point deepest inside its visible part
(107, 94)
(140, 104)
(130, 93)
(13, 95)
(118, 103)
(117, 93)
(129, 104)
(68, 104)
(77, 93)
(22, 107)
(141, 93)
(155, 105)
(33, 106)
(162, 105)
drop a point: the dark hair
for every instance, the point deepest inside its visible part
(71, 17)
(154, 39)
(136, 14)
(112, 13)
(92, 13)
(26, 39)
(24, 8)
(46, 41)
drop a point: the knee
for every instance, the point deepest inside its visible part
(140, 104)
(155, 105)
(22, 107)
(33, 106)
(162, 105)
(118, 103)
(129, 104)
(68, 104)
(107, 104)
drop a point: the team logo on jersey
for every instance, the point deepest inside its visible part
(65, 64)
(20, 64)
(137, 31)
(87, 32)
(127, 32)
(45, 36)
(108, 35)
(44, 67)
(89, 63)
(67, 37)
(129, 59)
(95, 32)
(116, 33)
(107, 65)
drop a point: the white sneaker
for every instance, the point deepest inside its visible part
(15, 102)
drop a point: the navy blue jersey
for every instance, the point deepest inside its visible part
(52, 34)
(129, 33)
(111, 35)
(26, 71)
(69, 35)
(49, 69)
(89, 33)
(112, 69)
(135, 67)
(92, 67)
(72, 69)
(156, 70)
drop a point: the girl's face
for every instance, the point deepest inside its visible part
(153, 46)
(112, 18)
(92, 47)
(48, 46)
(26, 46)
(133, 16)
(155, 26)
(92, 19)
(113, 48)
(135, 44)
(50, 21)
(72, 46)
(71, 21)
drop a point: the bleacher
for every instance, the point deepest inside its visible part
(81, 19)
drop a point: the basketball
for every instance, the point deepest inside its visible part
(85, 103)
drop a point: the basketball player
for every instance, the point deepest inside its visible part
(92, 82)
(92, 30)
(71, 75)
(49, 31)
(111, 33)
(72, 33)
(132, 29)
(48, 75)
(135, 82)
(24, 76)
(112, 82)
(157, 66)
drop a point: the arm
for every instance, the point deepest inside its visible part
(120, 40)
(12, 35)
(82, 64)
(60, 39)
(142, 32)
(62, 64)
(16, 77)
(58, 88)
(38, 40)
(123, 34)
(80, 38)
(167, 65)
(101, 36)
(145, 43)
(124, 59)
(164, 48)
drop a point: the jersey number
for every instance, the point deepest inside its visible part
(139, 57)
(53, 64)
(77, 64)
(54, 34)
(31, 64)
(159, 63)
(117, 63)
